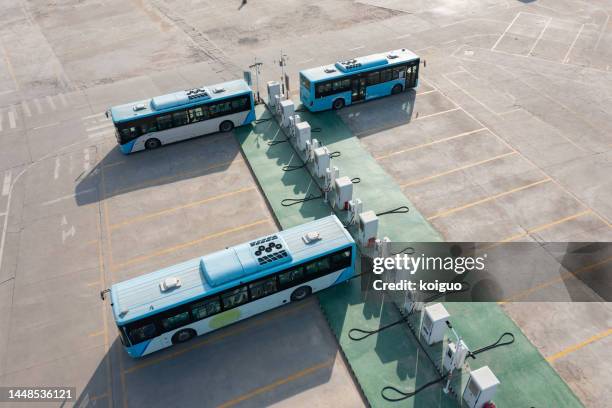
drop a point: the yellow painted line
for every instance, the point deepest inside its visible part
(9, 67)
(92, 242)
(180, 207)
(96, 283)
(429, 144)
(162, 180)
(97, 397)
(270, 387)
(484, 200)
(96, 334)
(546, 226)
(109, 386)
(242, 327)
(467, 166)
(563, 277)
(188, 244)
(578, 346)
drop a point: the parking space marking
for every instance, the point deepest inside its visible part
(1, 118)
(189, 243)
(546, 226)
(467, 166)
(86, 164)
(6, 185)
(96, 334)
(232, 331)
(180, 207)
(95, 115)
(288, 379)
(63, 100)
(566, 59)
(539, 36)
(12, 121)
(26, 109)
(563, 277)
(56, 168)
(105, 125)
(436, 114)
(579, 346)
(505, 31)
(357, 48)
(67, 196)
(426, 92)
(471, 132)
(38, 106)
(50, 102)
(478, 101)
(487, 199)
(101, 269)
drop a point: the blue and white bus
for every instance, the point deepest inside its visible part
(175, 304)
(151, 123)
(358, 79)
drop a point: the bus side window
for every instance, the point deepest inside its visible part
(147, 126)
(318, 267)
(291, 277)
(205, 308)
(373, 78)
(235, 297)
(179, 118)
(263, 288)
(164, 122)
(142, 333)
(398, 72)
(174, 321)
(195, 114)
(341, 259)
(386, 75)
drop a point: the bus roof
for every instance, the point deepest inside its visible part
(184, 99)
(139, 297)
(360, 64)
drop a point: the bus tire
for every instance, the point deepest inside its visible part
(397, 88)
(301, 293)
(151, 144)
(183, 336)
(226, 126)
(338, 104)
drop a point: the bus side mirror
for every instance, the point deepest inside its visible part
(424, 63)
(106, 114)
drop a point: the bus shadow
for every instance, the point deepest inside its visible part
(222, 366)
(381, 114)
(117, 174)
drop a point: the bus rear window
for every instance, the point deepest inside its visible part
(304, 82)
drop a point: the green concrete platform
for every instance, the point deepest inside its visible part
(392, 357)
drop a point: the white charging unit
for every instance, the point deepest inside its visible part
(343, 186)
(480, 388)
(322, 161)
(287, 110)
(433, 324)
(274, 90)
(368, 228)
(302, 135)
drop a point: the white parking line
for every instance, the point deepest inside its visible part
(50, 102)
(539, 36)
(305, 61)
(26, 109)
(1, 118)
(107, 132)
(12, 122)
(95, 115)
(6, 185)
(105, 125)
(86, 165)
(402, 36)
(566, 59)
(66, 197)
(63, 99)
(505, 31)
(56, 169)
(357, 48)
(38, 105)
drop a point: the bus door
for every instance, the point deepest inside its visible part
(411, 76)
(358, 86)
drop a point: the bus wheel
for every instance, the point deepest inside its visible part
(301, 293)
(226, 126)
(182, 336)
(397, 88)
(338, 104)
(151, 144)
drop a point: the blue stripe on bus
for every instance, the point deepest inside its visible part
(138, 349)
(250, 117)
(127, 148)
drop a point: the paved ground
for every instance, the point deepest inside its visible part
(509, 139)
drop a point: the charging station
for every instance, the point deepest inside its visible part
(322, 161)
(480, 388)
(343, 187)
(274, 91)
(433, 325)
(368, 228)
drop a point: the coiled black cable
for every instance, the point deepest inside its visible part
(287, 202)
(491, 346)
(399, 210)
(292, 168)
(355, 180)
(368, 333)
(406, 395)
(275, 142)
